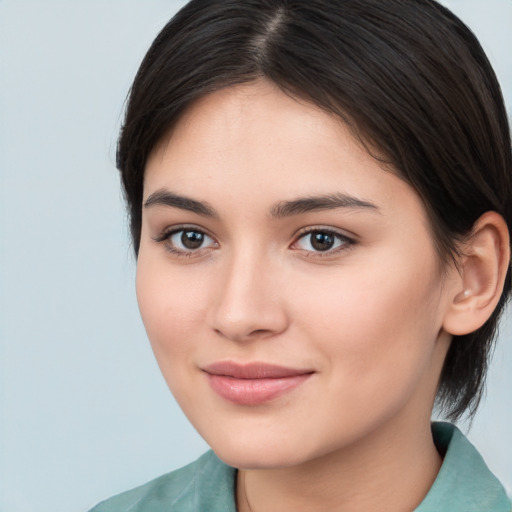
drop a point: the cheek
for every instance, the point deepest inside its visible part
(171, 306)
(376, 328)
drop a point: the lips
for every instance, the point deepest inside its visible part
(254, 383)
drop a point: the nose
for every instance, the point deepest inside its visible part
(249, 302)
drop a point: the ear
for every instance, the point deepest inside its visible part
(483, 266)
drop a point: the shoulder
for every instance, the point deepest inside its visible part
(464, 483)
(206, 481)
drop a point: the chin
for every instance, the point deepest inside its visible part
(253, 451)
(254, 457)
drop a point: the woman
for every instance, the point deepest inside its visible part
(320, 202)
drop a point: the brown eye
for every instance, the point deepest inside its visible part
(320, 240)
(192, 239)
(187, 240)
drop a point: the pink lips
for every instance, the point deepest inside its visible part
(254, 383)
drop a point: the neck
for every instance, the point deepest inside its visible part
(389, 471)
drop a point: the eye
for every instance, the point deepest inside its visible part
(322, 241)
(184, 241)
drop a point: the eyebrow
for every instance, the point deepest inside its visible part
(320, 203)
(165, 198)
(281, 209)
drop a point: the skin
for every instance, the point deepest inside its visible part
(366, 317)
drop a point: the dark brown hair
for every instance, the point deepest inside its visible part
(407, 76)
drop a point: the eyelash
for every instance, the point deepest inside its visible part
(345, 242)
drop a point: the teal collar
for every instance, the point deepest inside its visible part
(464, 483)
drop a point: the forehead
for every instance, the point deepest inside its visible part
(257, 115)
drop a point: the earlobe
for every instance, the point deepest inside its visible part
(484, 261)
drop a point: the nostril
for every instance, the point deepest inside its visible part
(259, 332)
(244, 335)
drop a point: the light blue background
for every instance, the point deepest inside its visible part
(84, 411)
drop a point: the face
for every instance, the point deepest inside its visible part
(288, 284)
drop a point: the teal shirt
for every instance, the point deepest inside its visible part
(464, 484)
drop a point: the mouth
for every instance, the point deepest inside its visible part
(253, 383)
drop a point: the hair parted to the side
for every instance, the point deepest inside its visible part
(407, 76)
